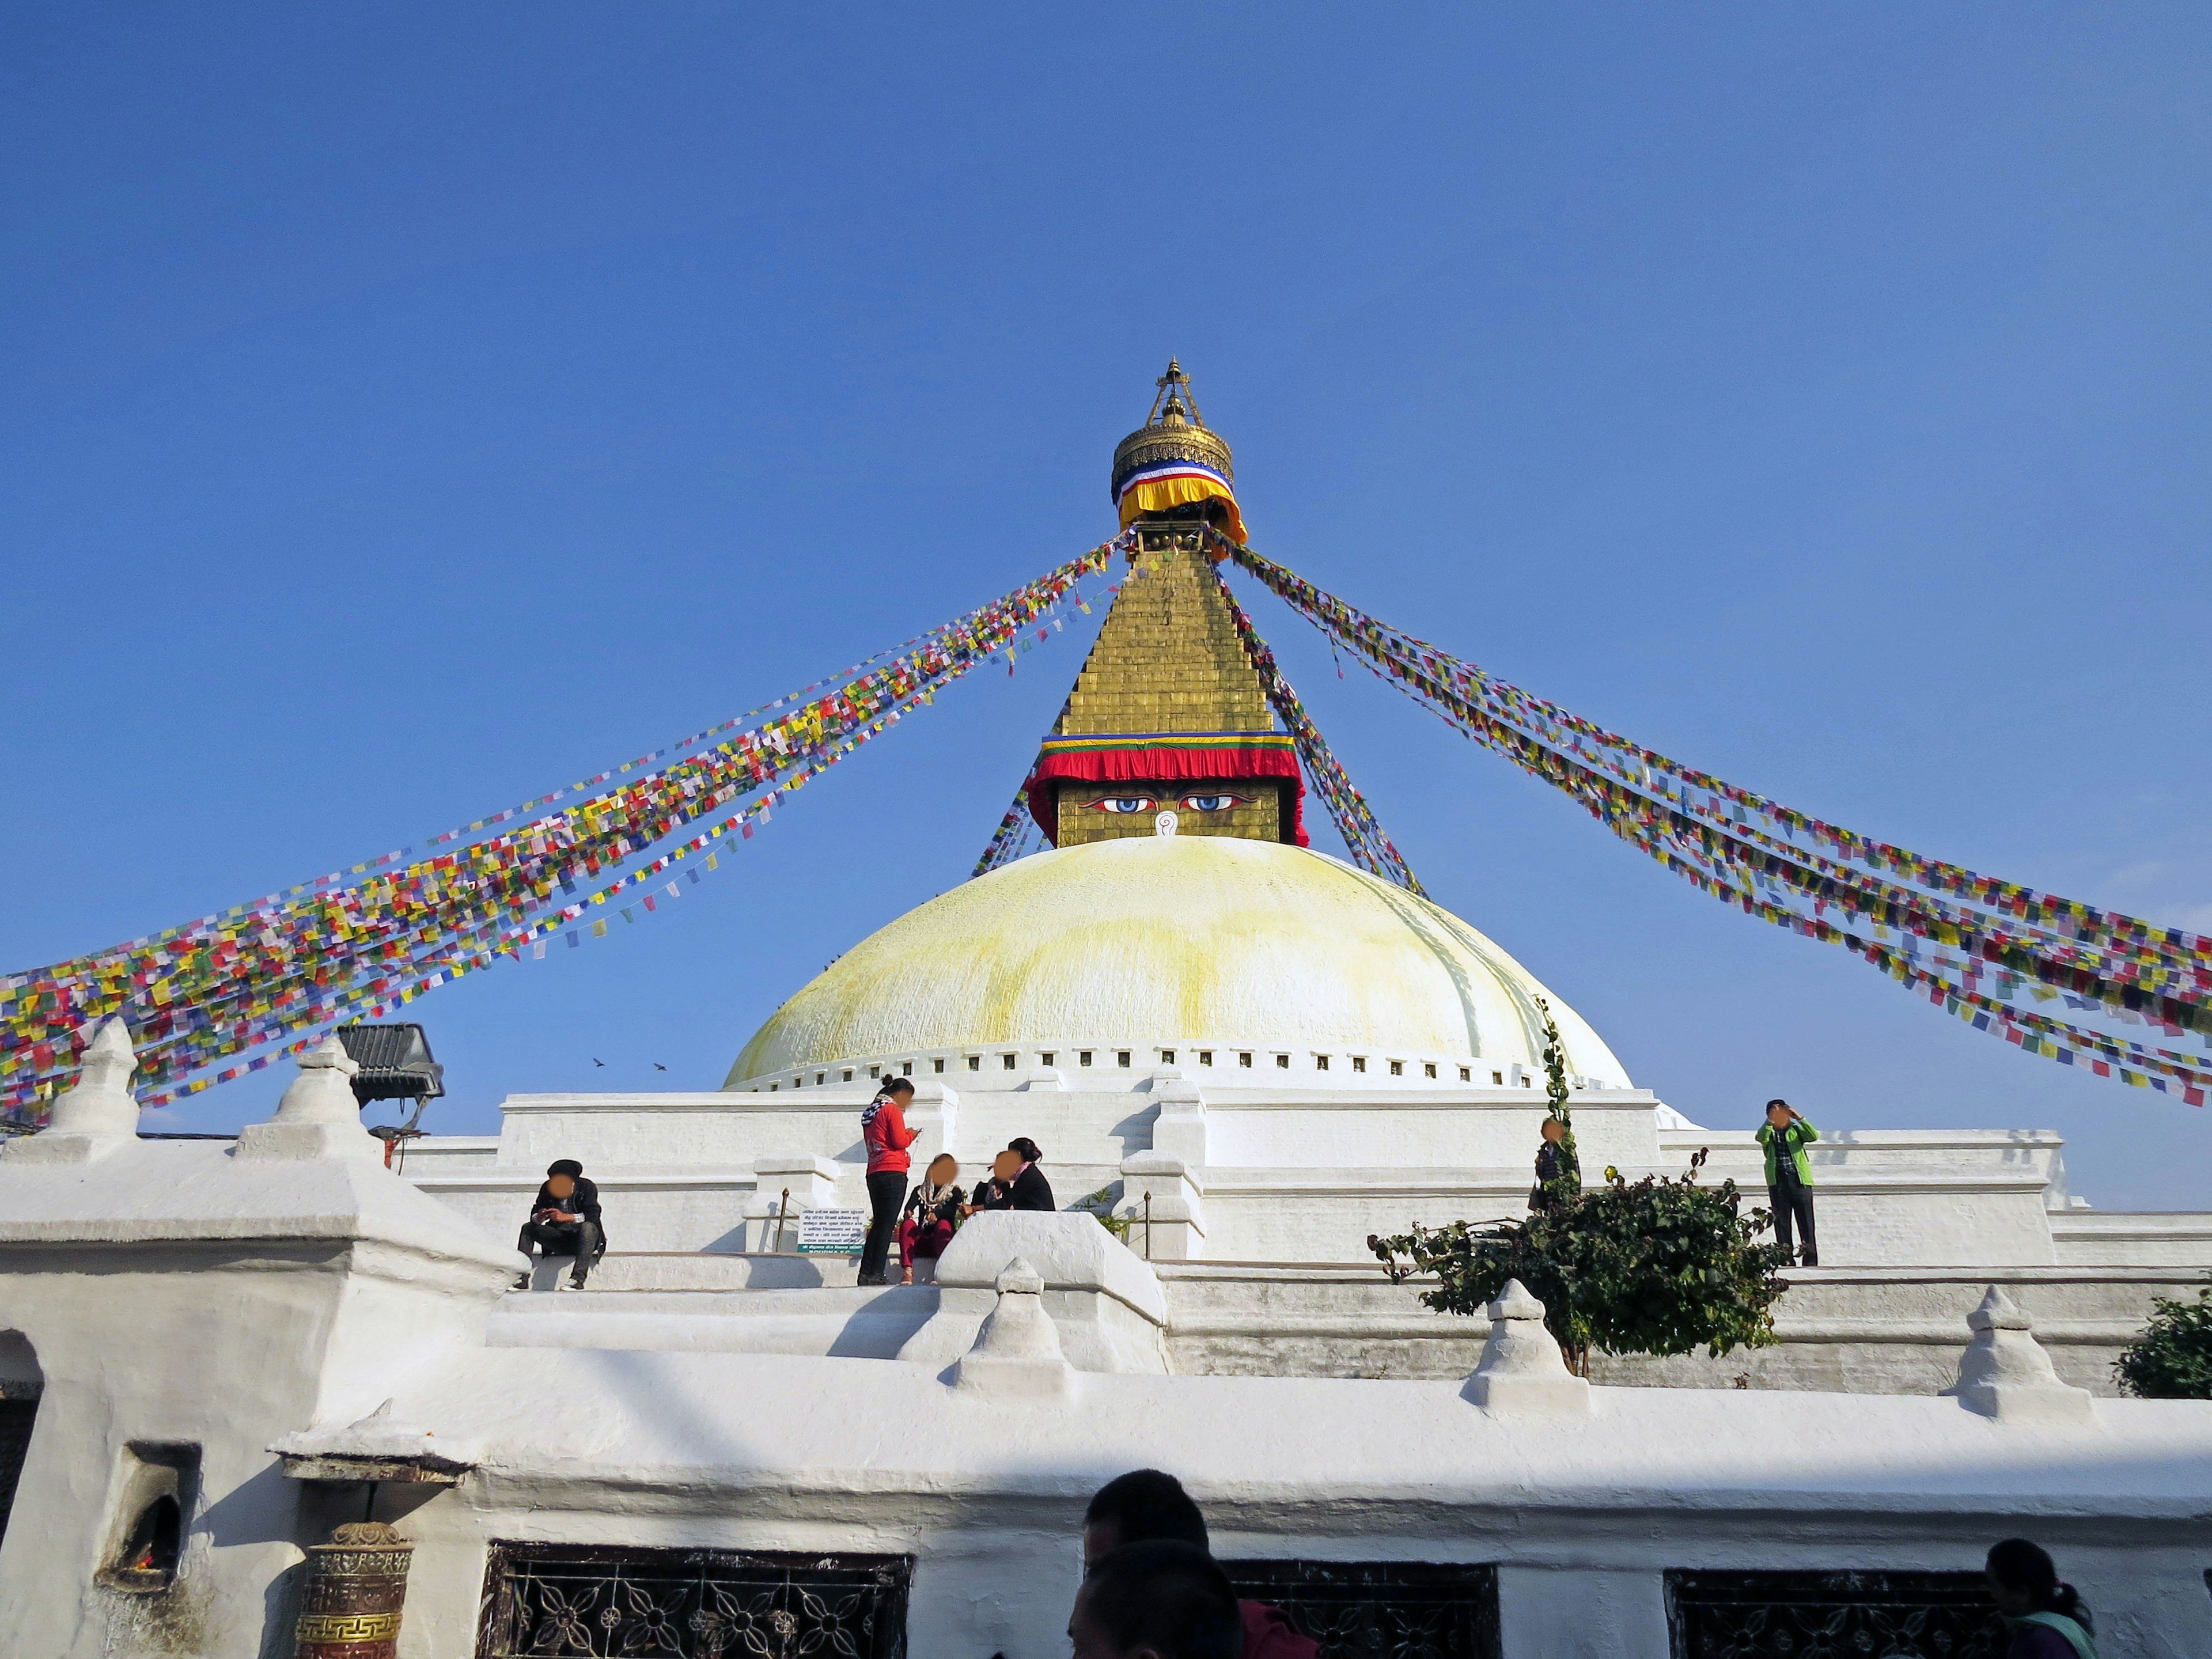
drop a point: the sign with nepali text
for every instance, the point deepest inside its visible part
(832, 1233)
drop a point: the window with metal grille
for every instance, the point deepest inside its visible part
(597, 1602)
(1807, 1616)
(1380, 1609)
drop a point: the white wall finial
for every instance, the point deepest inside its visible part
(1521, 1369)
(1017, 1353)
(318, 1117)
(99, 1114)
(2005, 1374)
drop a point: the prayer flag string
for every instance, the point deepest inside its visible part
(1364, 838)
(374, 936)
(1990, 939)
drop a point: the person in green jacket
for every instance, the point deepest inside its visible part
(1785, 1135)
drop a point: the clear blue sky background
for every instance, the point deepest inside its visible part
(407, 411)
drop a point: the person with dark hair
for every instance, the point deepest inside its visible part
(1785, 1135)
(564, 1220)
(1558, 1171)
(1148, 1506)
(2047, 1618)
(998, 1192)
(884, 1134)
(1028, 1189)
(1160, 1600)
(932, 1215)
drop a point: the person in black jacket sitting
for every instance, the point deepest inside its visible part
(565, 1221)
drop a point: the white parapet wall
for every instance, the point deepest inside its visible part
(1586, 1516)
(220, 1305)
(1267, 1172)
(1273, 1182)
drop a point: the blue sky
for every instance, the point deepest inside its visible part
(409, 410)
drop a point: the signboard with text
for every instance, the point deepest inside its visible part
(832, 1233)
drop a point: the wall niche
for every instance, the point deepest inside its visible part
(156, 1483)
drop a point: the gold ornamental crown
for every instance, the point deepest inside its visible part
(1172, 432)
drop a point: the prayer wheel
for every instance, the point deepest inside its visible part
(356, 1590)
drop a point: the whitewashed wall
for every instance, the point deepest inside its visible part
(172, 1292)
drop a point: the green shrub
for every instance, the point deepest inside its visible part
(1099, 1205)
(1655, 1265)
(2172, 1357)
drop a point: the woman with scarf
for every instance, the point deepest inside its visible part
(931, 1214)
(2043, 1618)
(884, 1134)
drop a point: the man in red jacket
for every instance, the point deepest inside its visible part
(1145, 1504)
(884, 1132)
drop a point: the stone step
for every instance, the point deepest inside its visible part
(1881, 1330)
(871, 1323)
(1341, 1320)
(704, 1270)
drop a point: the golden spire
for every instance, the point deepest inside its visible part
(1174, 465)
(1168, 719)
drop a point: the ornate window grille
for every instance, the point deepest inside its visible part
(1833, 1615)
(567, 1602)
(1380, 1609)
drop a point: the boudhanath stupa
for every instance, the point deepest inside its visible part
(1254, 1055)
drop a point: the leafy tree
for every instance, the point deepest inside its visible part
(2172, 1357)
(1658, 1266)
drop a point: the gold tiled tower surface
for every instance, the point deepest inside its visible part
(1167, 659)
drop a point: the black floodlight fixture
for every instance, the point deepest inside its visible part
(395, 1064)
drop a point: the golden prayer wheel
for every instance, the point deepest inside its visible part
(356, 1590)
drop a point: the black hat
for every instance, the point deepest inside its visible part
(567, 1166)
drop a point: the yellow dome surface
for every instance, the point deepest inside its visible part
(1178, 942)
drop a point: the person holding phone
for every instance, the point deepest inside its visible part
(564, 1220)
(884, 1134)
(1785, 1135)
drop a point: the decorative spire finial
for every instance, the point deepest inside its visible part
(1174, 465)
(96, 1116)
(1175, 404)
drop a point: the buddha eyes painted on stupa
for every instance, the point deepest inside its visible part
(1210, 801)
